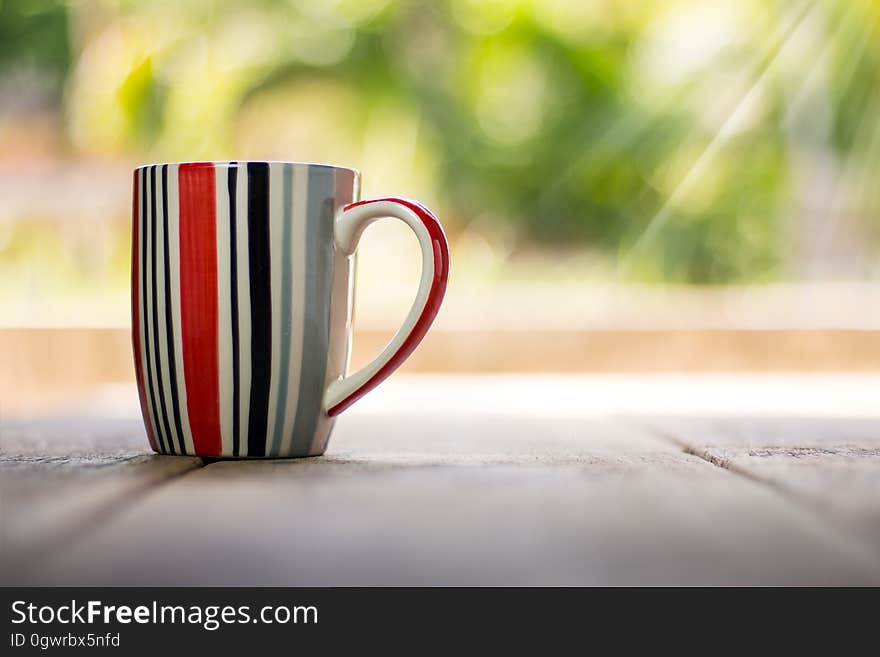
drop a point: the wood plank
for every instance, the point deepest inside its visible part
(642, 350)
(51, 365)
(43, 367)
(425, 498)
(62, 477)
(829, 463)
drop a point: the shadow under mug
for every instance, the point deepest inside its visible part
(242, 293)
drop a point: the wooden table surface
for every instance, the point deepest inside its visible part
(470, 480)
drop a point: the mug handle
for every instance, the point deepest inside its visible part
(348, 228)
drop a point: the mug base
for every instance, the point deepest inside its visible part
(288, 457)
(228, 457)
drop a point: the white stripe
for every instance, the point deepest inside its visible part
(276, 232)
(142, 303)
(297, 248)
(157, 411)
(224, 307)
(177, 317)
(161, 310)
(244, 308)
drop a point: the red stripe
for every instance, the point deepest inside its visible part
(198, 304)
(432, 305)
(136, 316)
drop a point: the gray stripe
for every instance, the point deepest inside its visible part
(286, 284)
(316, 323)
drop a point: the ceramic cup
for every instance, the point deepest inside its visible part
(242, 293)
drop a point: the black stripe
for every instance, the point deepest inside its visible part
(232, 170)
(155, 297)
(145, 303)
(169, 319)
(261, 305)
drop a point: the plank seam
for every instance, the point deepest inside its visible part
(98, 516)
(800, 500)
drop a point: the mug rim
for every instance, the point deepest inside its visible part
(236, 163)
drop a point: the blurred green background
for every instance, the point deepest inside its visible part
(659, 142)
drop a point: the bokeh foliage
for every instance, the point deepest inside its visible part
(662, 133)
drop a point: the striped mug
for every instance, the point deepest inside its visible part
(242, 289)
